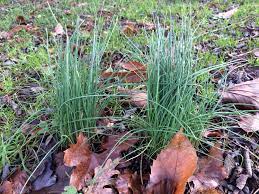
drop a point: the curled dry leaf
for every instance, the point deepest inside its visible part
(103, 177)
(173, 166)
(211, 170)
(80, 156)
(228, 14)
(15, 183)
(249, 123)
(246, 93)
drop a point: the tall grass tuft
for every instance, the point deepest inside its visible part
(77, 91)
(175, 97)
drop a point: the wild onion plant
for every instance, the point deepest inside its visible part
(77, 85)
(175, 97)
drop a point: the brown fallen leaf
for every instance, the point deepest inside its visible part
(137, 98)
(148, 26)
(6, 188)
(80, 156)
(133, 66)
(246, 94)
(173, 166)
(14, 30)
(15, 183)
(114, 145)
(228, 14)
(129, 29)
(249, 123)
(58, 30)
(135, 77)
(211, 170)
(126, 76)
(103, 177)
(208, 191)
(21, 20)
(128, 183)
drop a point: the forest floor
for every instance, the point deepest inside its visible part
(225, 32)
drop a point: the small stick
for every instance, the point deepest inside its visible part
(248, 164)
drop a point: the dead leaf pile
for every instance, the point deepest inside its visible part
(85, 161)
(169, 172)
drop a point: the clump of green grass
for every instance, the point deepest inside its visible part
(77, 90)
(176, 99)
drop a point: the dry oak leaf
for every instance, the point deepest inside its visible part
(245, 93)
(15, 183)
(227, 14)
(211, 170)
(173, 167)
(103, 177)
(80, 156)
(249, 123)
